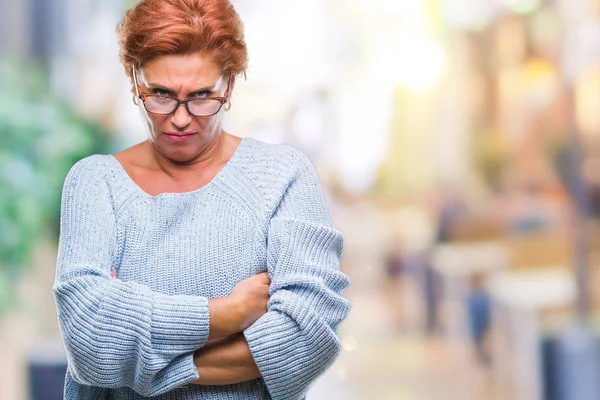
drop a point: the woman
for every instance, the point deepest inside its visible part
(195, 265)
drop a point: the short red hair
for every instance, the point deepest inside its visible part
(155, 28)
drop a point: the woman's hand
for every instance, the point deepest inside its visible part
(251, 297)
(246, 303)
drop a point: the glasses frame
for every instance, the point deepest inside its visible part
(144, 96)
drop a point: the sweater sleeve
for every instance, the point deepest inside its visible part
(117, 334)
(296, 340)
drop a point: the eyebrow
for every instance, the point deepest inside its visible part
(153, 86)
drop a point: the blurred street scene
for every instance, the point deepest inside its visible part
(458, 142)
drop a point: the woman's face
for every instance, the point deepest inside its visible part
(181, 136)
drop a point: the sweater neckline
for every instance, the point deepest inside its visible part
(220, 175)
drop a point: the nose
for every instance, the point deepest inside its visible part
(181, 118)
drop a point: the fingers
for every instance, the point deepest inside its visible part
(264, 277)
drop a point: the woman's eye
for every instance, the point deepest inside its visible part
(160, 92)
(205, 93)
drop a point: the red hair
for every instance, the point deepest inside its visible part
(155, 28)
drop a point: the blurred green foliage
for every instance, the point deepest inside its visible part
(41, 137)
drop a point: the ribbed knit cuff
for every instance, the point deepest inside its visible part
(265, 339)
(293, 343)
(180, 372)
(179, 323)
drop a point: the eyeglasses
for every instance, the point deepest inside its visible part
(165, 105)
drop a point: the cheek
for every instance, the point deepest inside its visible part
(207, 125)
(154, 123)
(210, 124)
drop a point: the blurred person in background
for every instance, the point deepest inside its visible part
(393, 282)
(195, 264)
(478, 304)
(450, 210)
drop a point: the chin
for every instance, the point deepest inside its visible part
(181, 155)
(177, 153)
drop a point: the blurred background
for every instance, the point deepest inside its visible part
(458, 142)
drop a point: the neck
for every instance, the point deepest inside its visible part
(194, 169)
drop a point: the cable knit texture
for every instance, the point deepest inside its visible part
(133, 335)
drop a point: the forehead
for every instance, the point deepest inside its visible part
(181, 70)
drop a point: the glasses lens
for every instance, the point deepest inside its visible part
(204, 107)
(159, 104)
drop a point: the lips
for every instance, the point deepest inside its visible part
(179, 137)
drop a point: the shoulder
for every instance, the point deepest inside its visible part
(278, 169)
(280, 160)
(90, 171)
(88, 185)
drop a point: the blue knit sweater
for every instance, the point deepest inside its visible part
(133, 336)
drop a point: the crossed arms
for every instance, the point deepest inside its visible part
(122, 334)
(226, 358)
